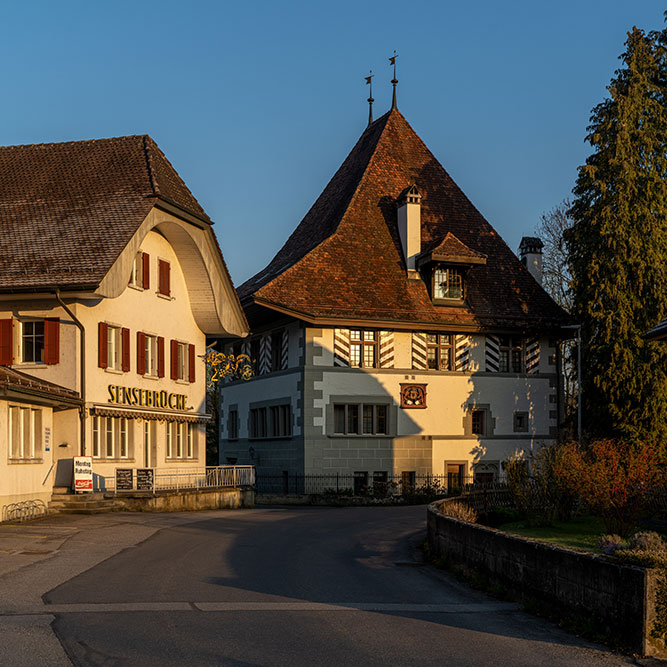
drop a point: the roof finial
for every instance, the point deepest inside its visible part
(394, 81)
(369, 81)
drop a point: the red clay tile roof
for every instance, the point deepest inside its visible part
(68, 209)
(24, 382)
(344, 261)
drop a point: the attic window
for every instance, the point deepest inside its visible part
(447, 283)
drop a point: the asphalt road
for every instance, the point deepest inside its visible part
(289, 586)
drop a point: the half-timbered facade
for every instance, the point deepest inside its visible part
(111, 281)
(395, 332)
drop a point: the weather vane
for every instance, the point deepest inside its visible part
(369, 82)
(394, 81)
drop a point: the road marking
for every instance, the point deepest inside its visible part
(121, 607)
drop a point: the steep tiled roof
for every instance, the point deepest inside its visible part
(68, 209)
(16, 380)
(344, 261)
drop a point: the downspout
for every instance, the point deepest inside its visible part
(82, 340)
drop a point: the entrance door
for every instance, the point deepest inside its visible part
(455, 474)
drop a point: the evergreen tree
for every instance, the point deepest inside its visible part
(617, 249)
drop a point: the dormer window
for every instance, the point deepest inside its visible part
(447, 283)
(445, 265)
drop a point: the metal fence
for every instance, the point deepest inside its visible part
(177, 479)
(287, 483)
(23, 511)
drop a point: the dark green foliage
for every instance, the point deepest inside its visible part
(617, 248)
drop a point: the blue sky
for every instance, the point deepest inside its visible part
(257, 103)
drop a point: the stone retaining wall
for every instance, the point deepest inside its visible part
(621, 597)
(183, 501)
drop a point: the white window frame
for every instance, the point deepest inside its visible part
(150, 355)
(183, 361)
(21, 343)
(29, 445)
(111, 438)
(137, 274)
(181, 441)
(114, 347)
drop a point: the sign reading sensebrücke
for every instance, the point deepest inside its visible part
(146, 398)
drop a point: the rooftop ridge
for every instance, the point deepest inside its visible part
(48, 144)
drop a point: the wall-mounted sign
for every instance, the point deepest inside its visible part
(145, 479)
(146, 397)
(82, 479)
(413, 395)
(124, 479)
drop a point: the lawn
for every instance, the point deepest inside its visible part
(582, 532)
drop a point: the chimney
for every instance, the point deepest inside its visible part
(530, 253)
(408, 216)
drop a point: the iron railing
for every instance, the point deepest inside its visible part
(177, 479)
(287, 483)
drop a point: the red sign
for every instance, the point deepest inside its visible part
(83, 474)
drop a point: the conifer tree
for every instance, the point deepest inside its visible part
(617, 249)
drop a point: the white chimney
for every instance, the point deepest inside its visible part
(409, 226)
(530, 253)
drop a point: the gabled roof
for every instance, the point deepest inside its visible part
(451, 250)
(344, 261)
(68, 209)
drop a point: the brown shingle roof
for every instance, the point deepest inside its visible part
(344, 261)
(26, 383)
(450, 249)
(68, 209)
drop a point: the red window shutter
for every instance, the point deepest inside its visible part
(145, 270)
(160, 356)
(6, 342)
(167, 277)
(52, 340)
(125, 338)
(141, 353)
(174, 360)
(102, 342)
(191, 362)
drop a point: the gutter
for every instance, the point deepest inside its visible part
(82, 379)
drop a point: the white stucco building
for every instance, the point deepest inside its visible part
(111, 281)
(395, 333)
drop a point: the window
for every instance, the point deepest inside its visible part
(447, 283)
(25, 433)
(182, 361)
(150, 355)
(258, 423)
(111, 437)
(140, 274)
(355, 419)
(455, 476)
(149, 433)
(233, 425)
(181, 440)
(363, 348)
(520, 422)
(272, 422)
(479, 422)
(440, 352)
(276, 350)
(280, 421)
(511, 356)
(360, 482)
(114, 347)
(32, 341)
(164, 277)
(408, 479)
